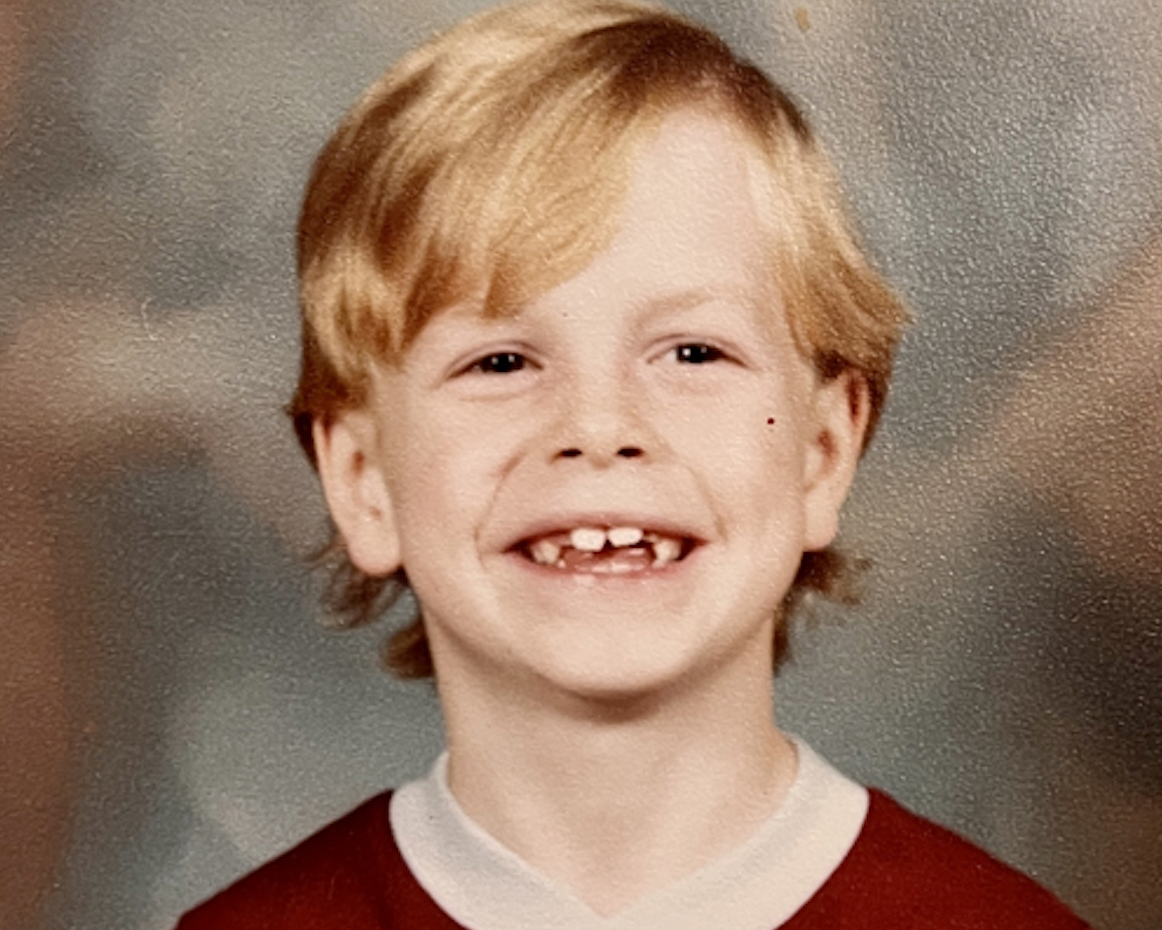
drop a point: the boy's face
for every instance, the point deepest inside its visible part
(654, 407)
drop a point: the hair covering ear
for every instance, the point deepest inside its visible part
(356, 491)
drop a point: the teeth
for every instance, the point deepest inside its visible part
(666, 550)
(545, 552)
(627, 539)
(614, 568)
(625, 536)
(587, 539)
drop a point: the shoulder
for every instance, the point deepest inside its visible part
(348, 875)
(906, 872)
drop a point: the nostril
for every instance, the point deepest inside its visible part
(625, 452)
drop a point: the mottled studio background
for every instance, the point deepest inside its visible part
(170, 714)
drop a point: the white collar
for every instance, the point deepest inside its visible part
(483, 885)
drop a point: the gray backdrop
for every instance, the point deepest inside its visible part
(171, 714)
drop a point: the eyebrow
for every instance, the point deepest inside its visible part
(689, 298)
(678, 300)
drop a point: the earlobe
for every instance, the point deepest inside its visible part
(841, 411)
(357, 493)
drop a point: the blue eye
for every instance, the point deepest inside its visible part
(696, 353)
(501, 363)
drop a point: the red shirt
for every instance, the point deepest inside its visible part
(903, 873)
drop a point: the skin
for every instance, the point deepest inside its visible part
(614, 730)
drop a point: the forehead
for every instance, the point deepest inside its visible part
(689, 223)
(690, 208)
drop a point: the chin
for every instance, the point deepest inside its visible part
(623, 680)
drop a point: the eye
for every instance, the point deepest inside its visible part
(697, 353)
(499, 363)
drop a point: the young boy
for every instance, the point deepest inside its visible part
(591, 355)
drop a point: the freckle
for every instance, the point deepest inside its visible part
(770, 421)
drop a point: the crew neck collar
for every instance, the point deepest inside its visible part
(758, 885)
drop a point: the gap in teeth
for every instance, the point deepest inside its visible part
(666, 549)
(594, 539)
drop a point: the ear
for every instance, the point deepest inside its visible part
(357, 493)
(841, 407)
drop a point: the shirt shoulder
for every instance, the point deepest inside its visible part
(907, 873)
(349, 874)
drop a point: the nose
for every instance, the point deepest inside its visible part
(601, 421)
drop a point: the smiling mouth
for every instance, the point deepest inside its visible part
(619, 550)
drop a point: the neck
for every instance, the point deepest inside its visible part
(615, 800)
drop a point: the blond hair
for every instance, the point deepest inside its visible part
(493, 161)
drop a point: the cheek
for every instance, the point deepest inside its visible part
(750, 458)
(448, 466)
(740, 435)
